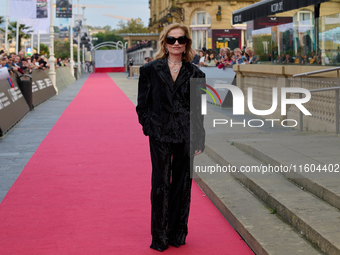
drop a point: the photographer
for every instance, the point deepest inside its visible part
(130, 63)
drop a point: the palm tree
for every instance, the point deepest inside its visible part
(12, 29)
(2, 31)
(2, 20)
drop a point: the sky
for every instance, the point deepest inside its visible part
(126, 8)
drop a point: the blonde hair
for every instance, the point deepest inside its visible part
(250, 49)
(238, 49)
(161, 53)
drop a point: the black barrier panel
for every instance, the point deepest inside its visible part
(42, 87)
(217, 78)
(13, 106)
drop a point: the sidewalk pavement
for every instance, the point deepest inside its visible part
(20, 143)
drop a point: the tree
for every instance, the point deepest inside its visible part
(131, 26)
(2, 20)
(12, 28)
(107, 28)
(43, 50)
(107, 37)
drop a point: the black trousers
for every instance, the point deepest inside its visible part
(171, 191)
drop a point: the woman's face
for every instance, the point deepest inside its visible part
(212, 56)
(176, 49)
(249, 52)
(201, 54)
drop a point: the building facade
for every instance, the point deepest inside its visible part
(211, 26)
(210, 22)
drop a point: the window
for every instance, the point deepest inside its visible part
(200, 23)
(304, 15)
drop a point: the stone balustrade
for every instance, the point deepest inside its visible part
(263, 78)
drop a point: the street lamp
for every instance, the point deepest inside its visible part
(51, 60)
(83, 46)
(218, 14)
(71, 47)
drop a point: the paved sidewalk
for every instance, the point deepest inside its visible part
(20, 143)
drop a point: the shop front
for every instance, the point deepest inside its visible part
(222, 38)
(302, 37)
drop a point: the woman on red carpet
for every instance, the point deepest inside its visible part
(170, 118)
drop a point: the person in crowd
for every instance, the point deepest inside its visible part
(312, 58)
(164, 99)
(281, 58)
(202, 58)
(10, 62)
(42, 62)
(251, 59)
(13, 55)
(21, 54)
(196, 58)
(27, 65)
(146, 60)
(220, 56)
(65, 62)
(37, 61)
(212, 59)
(34, 62)
(297, 59)
(2, 61)
(129, 64)
(304, 60)
(243, 51)
(319, 59)
(206, 58)
(226, 61)
(269, 57)
(59, 62)
(278, 59)
(17, 61)
(238, 58)
(287, 60)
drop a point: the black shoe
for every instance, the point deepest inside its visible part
(159, 247)
(176, 243)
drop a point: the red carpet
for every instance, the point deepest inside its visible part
(86, 190)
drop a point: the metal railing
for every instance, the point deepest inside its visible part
(336, 89)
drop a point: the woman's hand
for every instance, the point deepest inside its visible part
(197, 152)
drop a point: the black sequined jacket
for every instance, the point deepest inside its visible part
(171, 111)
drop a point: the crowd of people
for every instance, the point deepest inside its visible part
(26, 64)
(226, 57)
(19, 63)
(309, 59)
(298, 59)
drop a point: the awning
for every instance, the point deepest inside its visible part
(270, 7)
